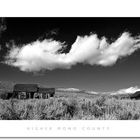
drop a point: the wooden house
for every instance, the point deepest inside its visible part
(25, 91)
(30, 91)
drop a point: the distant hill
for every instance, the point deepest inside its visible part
(75, 90)
(68, 89)
(130, 90)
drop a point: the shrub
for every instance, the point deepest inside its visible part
(68, 108)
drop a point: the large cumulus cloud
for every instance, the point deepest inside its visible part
(88, 49)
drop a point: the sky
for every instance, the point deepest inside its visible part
(99, 54)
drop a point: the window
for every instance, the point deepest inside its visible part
(22, 95)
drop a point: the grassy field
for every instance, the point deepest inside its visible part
(70, 107)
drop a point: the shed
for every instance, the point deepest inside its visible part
(136, 95)
(46, 92)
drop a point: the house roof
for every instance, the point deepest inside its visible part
(46, 90)
(25, 88)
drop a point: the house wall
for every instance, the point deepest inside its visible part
(31, 95)
(22, 95)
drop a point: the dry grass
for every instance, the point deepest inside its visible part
(70, 108)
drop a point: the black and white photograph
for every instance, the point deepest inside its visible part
(69, 68)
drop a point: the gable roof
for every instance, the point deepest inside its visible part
(25, 88)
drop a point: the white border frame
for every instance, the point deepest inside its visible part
(69, 8)
(69, 128)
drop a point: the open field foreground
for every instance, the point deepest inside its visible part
(70, 108)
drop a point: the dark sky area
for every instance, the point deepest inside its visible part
(125, 73)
